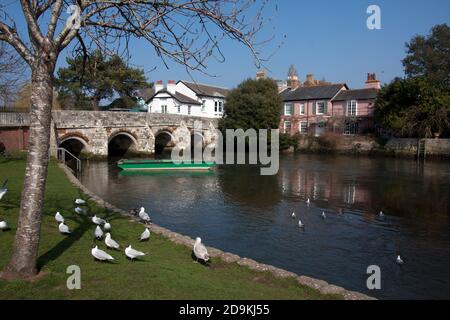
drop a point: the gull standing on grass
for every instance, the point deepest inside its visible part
(145, 235)
(132, 253)
(64, 229)
(110, 243)
(80, 201)
(98, 221)
(59, 218)
(200, 251)
(100, 254)
(98, 233)
(107, 226)
(3, 189)
(3, 225)
(144, 215)
(80, 210)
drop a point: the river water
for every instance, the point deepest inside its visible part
(237, 210)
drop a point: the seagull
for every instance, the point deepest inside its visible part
(324, 216)
(399, 260)
(293, 215)
(308, 201)
(381, 214)
(200, 251)
(80, 210)
(100, 254)
(107, 226)
(145, 235)
(3, 225)
(97, 220)
(79, 201)
(64, 229)
(110, 243)
(59, 218)
(144, 215)
(133, 254)
(3, 189)
(300, 224)
(98, 233)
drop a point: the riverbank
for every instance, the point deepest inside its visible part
(167, 272)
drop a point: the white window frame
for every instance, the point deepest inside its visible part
(285, 126)
(353, 126)
(164, 108)
(350, 104)
(302, 109)
(317, 107)
(291, 107)
(300, 127)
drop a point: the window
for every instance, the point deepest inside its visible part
(164, 109)
(203, 105)
(179, 109)
(220, 106)
(216, 106)
(351, 128)
(288, 109)
(303, 127)
(320, 107)
(302, 109)
(352, 108)
(189, 109)
(287, 127)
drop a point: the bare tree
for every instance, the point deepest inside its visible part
(188, 32)
(12, 70)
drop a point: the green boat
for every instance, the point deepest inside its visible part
(163, 165)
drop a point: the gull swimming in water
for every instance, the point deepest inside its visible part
(100, 254)
(97, 220)
(79, 201)
(293, 215)
(59, 218)
(200, 251)
(107, 226)
(132, 253)
(144, 215)
(300, 224)
(381, 214)
(3, 189)
(110, 243)
(308, 202)
(98, 233)
(324, 216)
(64, 229)
(80, 210)
(399, 260)
(145, 235)
(3, 225)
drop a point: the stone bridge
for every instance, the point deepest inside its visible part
(104, 133)
(107, 133)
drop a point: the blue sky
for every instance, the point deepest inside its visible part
(324, 37)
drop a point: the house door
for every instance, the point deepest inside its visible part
(320, 129)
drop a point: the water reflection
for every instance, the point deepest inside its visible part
(237, 210)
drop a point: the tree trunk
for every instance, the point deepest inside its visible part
(26, 244)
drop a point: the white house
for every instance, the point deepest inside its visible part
(188, 98)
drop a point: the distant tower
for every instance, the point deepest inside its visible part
(261, 74)
(292, 79)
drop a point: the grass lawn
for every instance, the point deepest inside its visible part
(167, 272)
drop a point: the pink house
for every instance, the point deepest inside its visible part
(330, 107)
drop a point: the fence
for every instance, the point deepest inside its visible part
(8, 119)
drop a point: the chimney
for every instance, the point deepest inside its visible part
(293, 82)
(309, 80)
(261, 75)
(159, 86)
(372, 82)
(171, 86)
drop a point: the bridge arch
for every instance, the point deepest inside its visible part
(164, 139)
(121, 143)
(74, 143)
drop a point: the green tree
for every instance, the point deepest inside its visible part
(254, 104)
(414, 107)
(429, 56)
(86, 82)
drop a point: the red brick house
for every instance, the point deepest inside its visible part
(316, 109)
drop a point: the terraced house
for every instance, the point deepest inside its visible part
(313, 109)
